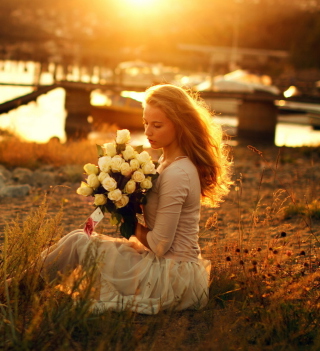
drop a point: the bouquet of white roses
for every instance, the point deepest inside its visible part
(120, 182)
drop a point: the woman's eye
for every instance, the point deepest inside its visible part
(157, 126)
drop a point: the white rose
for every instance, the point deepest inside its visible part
(130, 187)
(123, 136)
(115, 195)
(84, 189)
(134, 164)
(109, 183)
(138, 176)
(99, 200)
(110, 149)
(93, 181)
(146, 183)
(125, 169)
(90, 168)
(116, 163)
(128, 153)
(143, 157)
(122, 202)
(104, 163)
(149, 168)
(102, 176)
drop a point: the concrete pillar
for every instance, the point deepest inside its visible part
(257, 121)
(78, 110)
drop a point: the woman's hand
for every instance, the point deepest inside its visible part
(141, 234)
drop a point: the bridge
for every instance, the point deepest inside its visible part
(257, 112)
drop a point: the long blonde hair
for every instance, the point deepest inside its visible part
(198, 136)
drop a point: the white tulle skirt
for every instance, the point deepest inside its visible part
(129, 276)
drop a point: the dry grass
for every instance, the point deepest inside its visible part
(264, 295)
(16, 153)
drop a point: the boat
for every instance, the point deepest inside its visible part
(125, 112)
(314, 119)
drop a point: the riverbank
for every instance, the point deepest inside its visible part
(263, 242)
(290, 171)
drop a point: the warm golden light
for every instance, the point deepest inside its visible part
(137, 8)
(291, 91)
(141, 2)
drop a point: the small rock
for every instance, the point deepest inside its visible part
(22, 175)
(15, 190)
(5, 172)
(43, 178)
(47, 168)
(2, 180)
(70, 173)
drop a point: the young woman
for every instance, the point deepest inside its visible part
(161, 266)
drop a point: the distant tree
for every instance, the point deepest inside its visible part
(305, 44)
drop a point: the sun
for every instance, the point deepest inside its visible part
(141, 3)
(140, 8)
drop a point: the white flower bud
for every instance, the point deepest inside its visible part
(149, 168)
(109, 183)
(104, 163)
(146, 183)
(84, 189)
(90, 168)
(130, 187)
(122, 202)
(128, 153)
(134, 164)
(116, 163)
(99, 200)
(93, 181)
(143, 157)
(123, 136)
(102, 176)
(138, 176)
(115, 195)
(110, 149)
(125, 169)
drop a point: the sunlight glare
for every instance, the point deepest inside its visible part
(141, 3)
(141, 7)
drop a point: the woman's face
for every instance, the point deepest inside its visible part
(158, 128)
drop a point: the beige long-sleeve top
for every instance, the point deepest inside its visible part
(172, 212)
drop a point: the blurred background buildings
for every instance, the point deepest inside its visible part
(275, 37)
(209, 45)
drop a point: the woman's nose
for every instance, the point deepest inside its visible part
(147, 130)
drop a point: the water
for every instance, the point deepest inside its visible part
(41, 120)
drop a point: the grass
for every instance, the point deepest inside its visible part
(264, 247)
(16, 153)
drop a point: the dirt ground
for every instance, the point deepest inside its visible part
(252, 215)
(254, 209)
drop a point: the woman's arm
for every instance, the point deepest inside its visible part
(172, 193)
(141, 234)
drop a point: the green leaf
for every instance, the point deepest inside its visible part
(120, 148)
(139, 148)
(99, 150)
(110, 206)
(143, 200)
(103, 209)
(115, 219)
(127, 229)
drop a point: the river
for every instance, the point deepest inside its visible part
(41, 120)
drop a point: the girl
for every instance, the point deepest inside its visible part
(161, 266)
